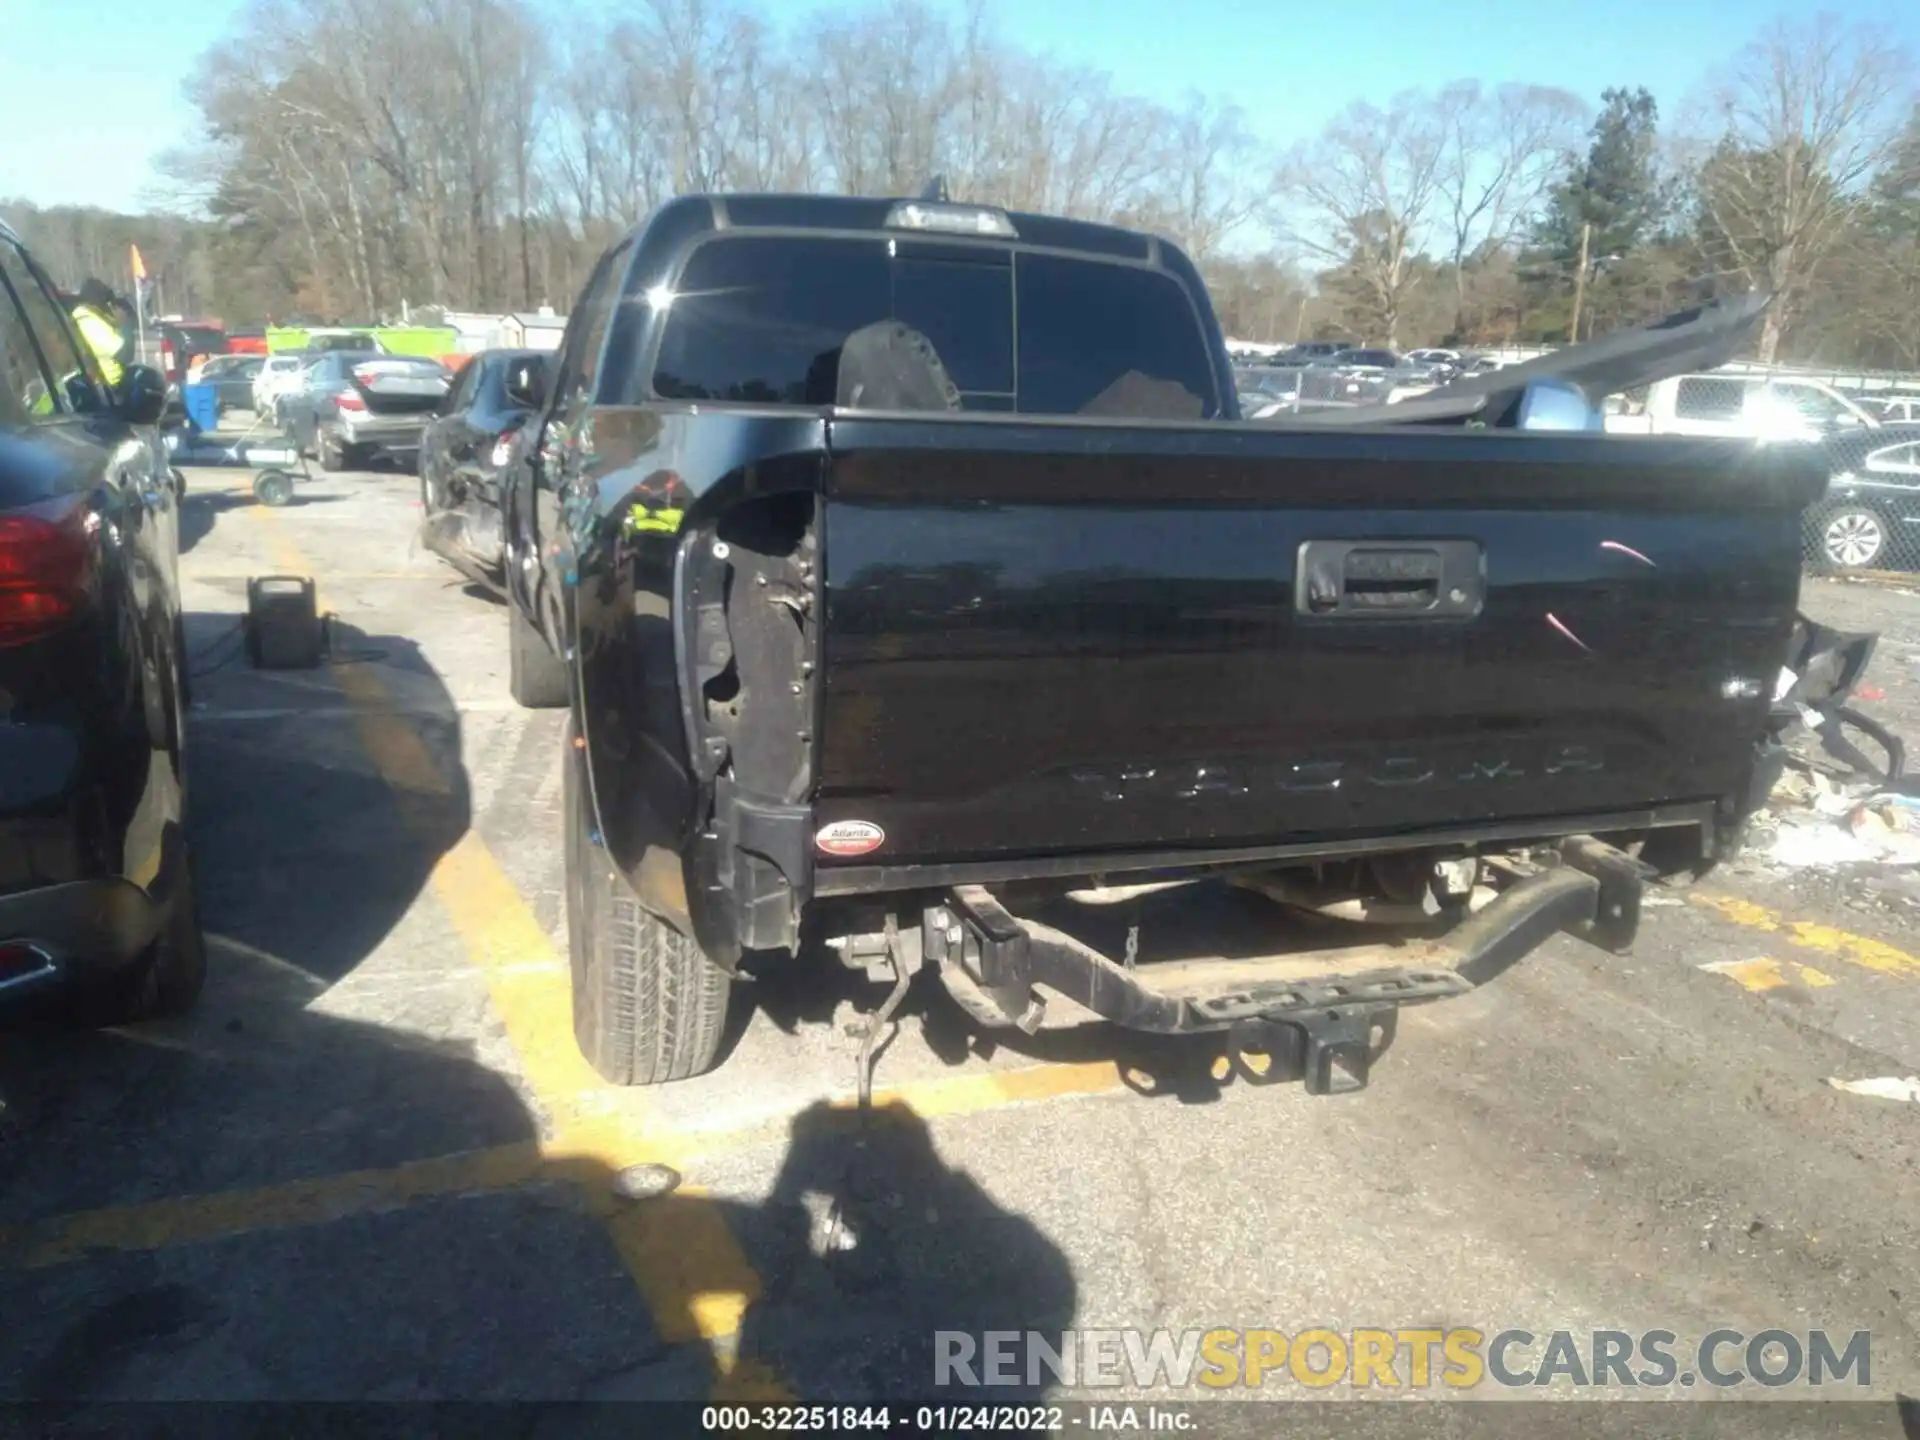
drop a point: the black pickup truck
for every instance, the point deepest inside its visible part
(917, 593)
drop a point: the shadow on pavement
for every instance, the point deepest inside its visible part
(200, 511)
(480, 592)
(344, 1032)
(868, 1245)
(877, 1245)
(306, 862)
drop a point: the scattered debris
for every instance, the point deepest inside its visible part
(1818, 821)
(1834, 805)
(1882, 1087)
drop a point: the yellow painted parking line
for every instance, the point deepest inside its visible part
(1764, 973)
(708, 1297)
(996, 1090)
(1854, 950)
(684, 1259)
(299, 1203)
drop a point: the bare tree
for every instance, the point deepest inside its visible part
(1204, 175)
(1499, 153)
(1362, 193)
(1806, 114)
(885, 80)
(358, 156)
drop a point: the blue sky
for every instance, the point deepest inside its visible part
(1290, 63)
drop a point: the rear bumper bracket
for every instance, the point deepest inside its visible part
(1330, 1024)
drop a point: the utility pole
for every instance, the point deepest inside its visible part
(1300, 325)
(1580, 284)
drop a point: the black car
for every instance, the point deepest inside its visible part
(466, 445)
(96, 884)
(232, 377)
(356, 405)
(1869, 518)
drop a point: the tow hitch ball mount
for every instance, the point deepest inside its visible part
(1330, 1052)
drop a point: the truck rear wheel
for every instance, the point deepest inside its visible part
(536, 676)
(648, 1007)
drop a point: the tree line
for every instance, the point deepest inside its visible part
(360, 157)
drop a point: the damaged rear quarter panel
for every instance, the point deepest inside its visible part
(654, 743)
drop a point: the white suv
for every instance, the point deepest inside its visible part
(1759, 407)
(280, 374)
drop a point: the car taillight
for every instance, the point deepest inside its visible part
(503, 447)
(46, 567)
(166, 359)
(349, 400)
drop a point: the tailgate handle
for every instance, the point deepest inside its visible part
(1358, 578)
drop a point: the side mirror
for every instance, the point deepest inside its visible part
(526, 383)
(143, 395)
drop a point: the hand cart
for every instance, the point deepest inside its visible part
(275, 458)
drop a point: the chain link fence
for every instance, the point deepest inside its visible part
(1869, 518)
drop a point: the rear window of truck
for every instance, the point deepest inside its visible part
(761, 319)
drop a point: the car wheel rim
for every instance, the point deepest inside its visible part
(1853, 539)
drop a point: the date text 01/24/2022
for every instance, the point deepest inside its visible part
(940, 1419)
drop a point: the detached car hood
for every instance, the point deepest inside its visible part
(1698, 339)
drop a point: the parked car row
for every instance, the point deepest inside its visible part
(1320, 374)
(1868, 519)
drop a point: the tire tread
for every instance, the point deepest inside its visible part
(648, 1007)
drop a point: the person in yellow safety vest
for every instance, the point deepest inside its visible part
(93, 316)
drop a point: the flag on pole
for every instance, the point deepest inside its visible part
(139, 265)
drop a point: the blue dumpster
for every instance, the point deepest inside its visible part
(202, 404)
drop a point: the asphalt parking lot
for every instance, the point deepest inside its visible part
(373, 1166)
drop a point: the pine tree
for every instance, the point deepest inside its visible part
(1617, 189)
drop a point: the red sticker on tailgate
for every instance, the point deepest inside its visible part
(849, 838)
